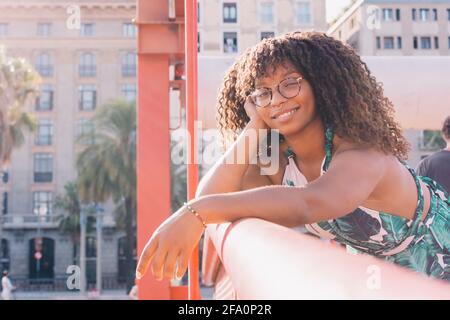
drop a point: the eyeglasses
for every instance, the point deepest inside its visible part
(288, 88)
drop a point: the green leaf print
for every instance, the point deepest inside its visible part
(395, 226)
(440, 227)
(359, 225)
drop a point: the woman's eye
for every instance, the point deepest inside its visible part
(290, 84)
(262, 94)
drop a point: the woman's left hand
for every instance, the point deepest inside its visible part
(172, 242)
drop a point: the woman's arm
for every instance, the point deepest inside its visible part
(350, 180)
(228, 174)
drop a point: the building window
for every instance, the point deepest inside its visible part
(3, 29)
(378, 43)
(4, 254)
(397, 14)
(87, 29)
(448, 15)
(424, 14)
(88, 97)
(415, 43)
(129, 64)
(266, 13)
(44, 29)
(44, 102)
(435, 15)
(388, 14)
(129, 30)
(436, 42)
(449, 42)
(43, 167)
(42, 203)
(414, 13)
(5, 176)
(229, 12)
(425, 42)
(352, 23)
(129, 91)
(198, 41)
(267, 34)
(230, 44)
(85, 130)
(5, 203)
(198, 12)
(303, 12)
(44, 132)
(399, 42)
(44, 65)
(87, 66)
(388, 42)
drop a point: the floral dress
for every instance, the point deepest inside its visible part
(423, 246)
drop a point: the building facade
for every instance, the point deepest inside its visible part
(398, 28)
(85, 53)
(229, 27)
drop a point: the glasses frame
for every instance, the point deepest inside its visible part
(277, 87)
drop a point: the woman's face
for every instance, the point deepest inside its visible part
(288, 115)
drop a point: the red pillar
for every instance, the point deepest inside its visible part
(153, 173)
(160, 44)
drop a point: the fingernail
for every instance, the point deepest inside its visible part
(138, 275)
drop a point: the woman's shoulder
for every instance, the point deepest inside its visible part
(367, 154)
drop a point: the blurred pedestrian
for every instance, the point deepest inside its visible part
(437, 165)
(7, 287)
(133, 294)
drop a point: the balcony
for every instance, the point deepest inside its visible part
(255, 259)
(87, 71)
(33, 221)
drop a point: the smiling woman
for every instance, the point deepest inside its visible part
(341, 169)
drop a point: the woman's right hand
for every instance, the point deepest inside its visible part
(252, 113)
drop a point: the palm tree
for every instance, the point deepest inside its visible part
(18, 84)
(69, 222)
(107, 168)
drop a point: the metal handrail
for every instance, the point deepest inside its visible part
(268, 261)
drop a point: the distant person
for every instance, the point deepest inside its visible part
(7, 287)
(133, 294)
(437, 166)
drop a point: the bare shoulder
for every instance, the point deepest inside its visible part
(350, 157)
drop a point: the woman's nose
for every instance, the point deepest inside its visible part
(277, 98)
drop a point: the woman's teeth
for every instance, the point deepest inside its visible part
(286, 115)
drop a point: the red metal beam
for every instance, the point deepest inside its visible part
(191, 117)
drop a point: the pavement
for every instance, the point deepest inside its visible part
(106, 295)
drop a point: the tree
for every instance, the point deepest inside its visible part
(18, 84)
(69, 222)
(107, 168)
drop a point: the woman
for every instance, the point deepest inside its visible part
(341, 171)
(7, 287)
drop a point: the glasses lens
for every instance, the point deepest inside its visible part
(262, 97)
(289, 88)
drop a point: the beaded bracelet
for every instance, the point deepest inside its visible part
(195, 213)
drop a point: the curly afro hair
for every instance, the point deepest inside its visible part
(347, 95)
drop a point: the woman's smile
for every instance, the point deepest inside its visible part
(285, 115)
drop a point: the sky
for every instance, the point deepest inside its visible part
(334, 7)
